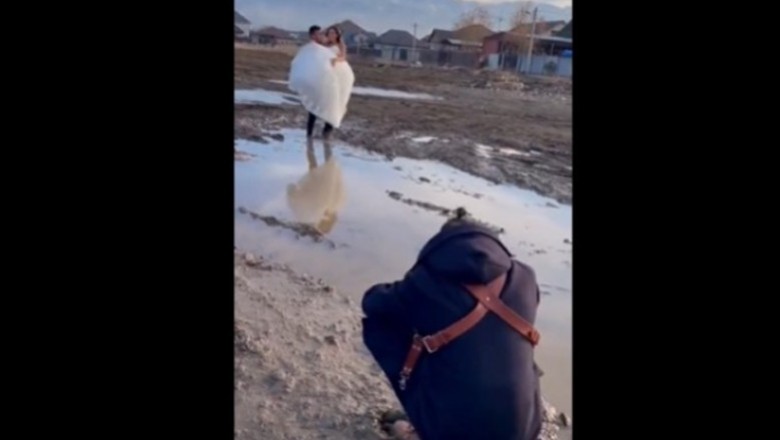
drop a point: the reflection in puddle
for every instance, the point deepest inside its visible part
(378, 238)
(319, 194)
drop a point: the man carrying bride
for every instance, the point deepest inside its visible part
(323, 79)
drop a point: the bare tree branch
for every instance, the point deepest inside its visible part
(478, 15)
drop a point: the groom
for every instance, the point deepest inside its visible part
(315, 35)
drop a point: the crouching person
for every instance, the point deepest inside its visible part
(456, 339)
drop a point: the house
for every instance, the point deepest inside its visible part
(516, 43)
(474, 33)
(552, 45)
(468, 38)
(461, 45)
(502, 42)
(566, 32)
(301, 37)
(543, 28)
(241, 26)
(354, 35)
(436, 39)
(396, 45)
(273, 36)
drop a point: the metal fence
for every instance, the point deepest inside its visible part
(430, 57)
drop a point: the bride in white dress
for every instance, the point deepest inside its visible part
(323, 80)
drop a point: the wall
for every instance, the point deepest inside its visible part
(453, 58)
(245, 28)
(490, 47)
(395, 53)
(515, 63)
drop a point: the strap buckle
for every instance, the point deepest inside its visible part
(402, 381)
(425, 344)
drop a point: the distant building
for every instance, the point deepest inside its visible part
(474, 33)
(396, 45)
(354, 35)
(515, 43)
(566, 32)
(543, 28)
(274, 36)
(241, 26)
(468, 38)
(437, 38)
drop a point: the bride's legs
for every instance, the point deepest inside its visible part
(310, 125)
(327, 130)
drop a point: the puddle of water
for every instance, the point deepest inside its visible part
(376, 91)
(377, 238)
(424, 139)
(387, 93)
(261, 96)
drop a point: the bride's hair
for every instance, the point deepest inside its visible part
(338, 33)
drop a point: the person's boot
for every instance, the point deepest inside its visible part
(403, 430)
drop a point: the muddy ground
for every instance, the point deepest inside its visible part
(524, 124)
(298, 372)
(301, 371)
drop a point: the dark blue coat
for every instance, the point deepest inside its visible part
(484, 384)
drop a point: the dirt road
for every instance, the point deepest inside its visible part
(497, 126)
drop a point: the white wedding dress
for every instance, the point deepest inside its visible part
(324, 89)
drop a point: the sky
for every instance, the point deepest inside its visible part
(381, 15)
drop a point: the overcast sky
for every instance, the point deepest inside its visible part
(380, 15)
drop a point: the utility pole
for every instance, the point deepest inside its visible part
(531, 43)
(414, 44)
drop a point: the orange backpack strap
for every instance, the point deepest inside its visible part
(488, 299)
(491, 300)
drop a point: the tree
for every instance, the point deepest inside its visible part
(523, 16)
(521, 23)
(478, 15)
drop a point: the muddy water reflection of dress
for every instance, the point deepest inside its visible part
(319, 195)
